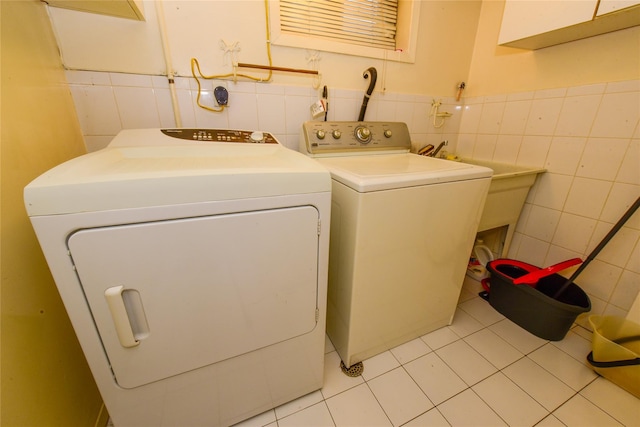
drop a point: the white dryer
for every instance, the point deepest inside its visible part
(193, 267)
(402, 229)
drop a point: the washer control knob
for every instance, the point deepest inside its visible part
(388, 133)
(363, 134)
(257, 136)
(320, 134)
(336, 134)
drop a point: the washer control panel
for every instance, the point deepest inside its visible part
(342, 138)
(221, 135)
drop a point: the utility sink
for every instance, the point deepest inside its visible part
(508, 191)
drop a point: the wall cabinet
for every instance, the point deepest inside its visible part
(535, 24)
(609, 6)
(131, 9)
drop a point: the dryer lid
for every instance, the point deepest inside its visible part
(122, 177)
(390, 171)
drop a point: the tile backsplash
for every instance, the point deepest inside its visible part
(109, 102)
(587, 138)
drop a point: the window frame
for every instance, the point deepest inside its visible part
(406, 36)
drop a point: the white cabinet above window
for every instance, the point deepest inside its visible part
(535, 24)
(131, 9)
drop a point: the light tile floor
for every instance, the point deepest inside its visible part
(483, 370)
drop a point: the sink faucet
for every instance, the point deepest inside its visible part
(442, 144)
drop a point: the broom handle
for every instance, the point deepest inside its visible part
(598, 248)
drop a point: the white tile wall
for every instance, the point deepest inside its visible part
(587, 137)
(109, 102)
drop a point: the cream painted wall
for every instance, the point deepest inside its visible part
(45, 378)
(501, 70)
(195, 29)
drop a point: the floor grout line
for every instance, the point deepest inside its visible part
(531, 348)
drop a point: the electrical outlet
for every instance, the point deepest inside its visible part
(221, 95)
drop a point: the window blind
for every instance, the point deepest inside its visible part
(362, 22)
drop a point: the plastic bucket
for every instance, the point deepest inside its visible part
(616, 351)
(530, 305)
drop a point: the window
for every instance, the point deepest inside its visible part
(384, 29)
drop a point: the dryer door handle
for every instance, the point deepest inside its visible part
(120, 317)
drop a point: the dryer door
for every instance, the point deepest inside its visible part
(172, 296)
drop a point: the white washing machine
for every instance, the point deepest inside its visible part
(193, 267)
(402, 229)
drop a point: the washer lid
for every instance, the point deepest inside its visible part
(389, 171)
(121, 177)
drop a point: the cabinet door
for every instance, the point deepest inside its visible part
(608, 6)
(196, 291)
(527, 18)
(535, 24)
(131, 9)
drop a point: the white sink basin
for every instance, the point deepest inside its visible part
(504, 170)
(508, 191)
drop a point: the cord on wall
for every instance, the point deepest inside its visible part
(435, 105)
(169, 65)
(230, 50)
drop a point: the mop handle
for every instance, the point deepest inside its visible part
(598, 248)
